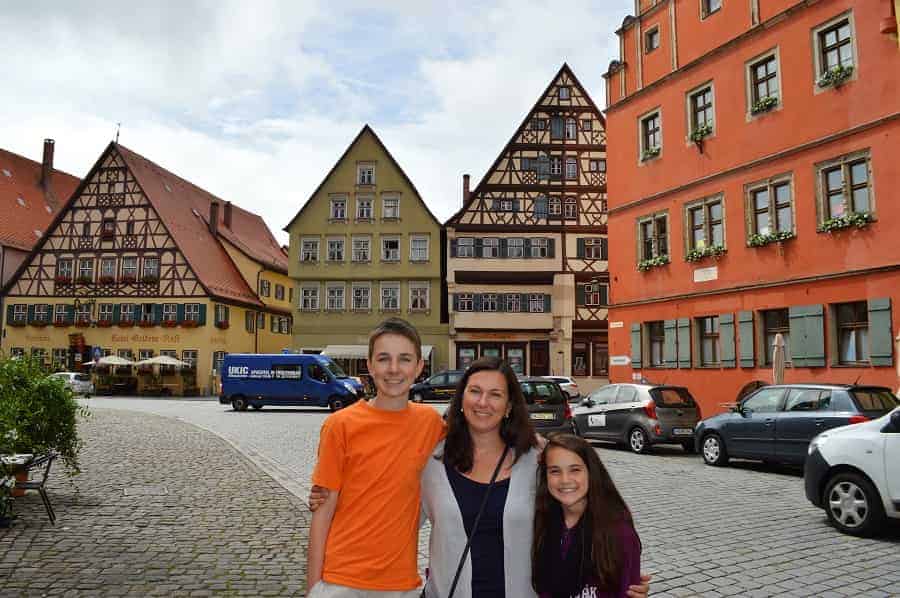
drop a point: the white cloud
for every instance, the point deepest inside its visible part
(256, 101)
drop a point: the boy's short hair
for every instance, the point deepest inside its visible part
(396, 326)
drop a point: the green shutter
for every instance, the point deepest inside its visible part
(579, 294)
(117, 313)
(504, 248)
(726, 340)
(670, 356)
(880, 332)
(70, 312)
(455, 302)
(579, 252)
(10, 310)
(807, 336)
(547, 304)
(479, 247)
(30, 317)
(523, 303)
(476, 302)
(157, 313)
(604, 249)
(526, 247)
(745, 339)
(551, 247)
(453, 246)
(179, 313)
(684, 343)
(202, 321)
(636, 346)
(501, 302)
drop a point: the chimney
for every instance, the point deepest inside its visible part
(226, 215)
(47, 164)
(214, 218)
(465, 188)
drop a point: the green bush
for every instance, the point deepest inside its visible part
(37, 413)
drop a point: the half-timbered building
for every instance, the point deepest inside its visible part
(140, 262)
(527, 271)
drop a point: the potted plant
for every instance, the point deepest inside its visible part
(146, 324)
(104, 323)
(169, 323)
(699, 253)
(653, 262)
(650, 152)
(189, 323)
(700, 132)
(82, 323)
(759, 240)
(61, 323)
(857, 219)
(835, 76)
(8, 436)
(126, 323)
(764, 104)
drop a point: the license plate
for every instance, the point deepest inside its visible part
(683, 432)
(543, 416)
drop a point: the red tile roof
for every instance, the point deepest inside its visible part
(25, 207)
(184, 208)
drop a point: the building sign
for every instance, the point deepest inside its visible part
(706, 274)
(619, 360)
(616, 324)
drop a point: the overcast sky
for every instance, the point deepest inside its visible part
(255, 101)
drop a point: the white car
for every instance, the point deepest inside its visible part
(568, 386)
(79, 383)
(853, 472)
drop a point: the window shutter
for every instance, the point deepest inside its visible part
(547, 306)
(157, 313)
(501, 302)
(604, 294)
(202, 321)
(476, 302)
(455, 302)
(504, 248)
(881, 338)
(227, 314)
(580, 250)
(684, 343)
(117, 312)
(745, 342)
(636, 346)
(551, 247)
(523, 303)
(726, 340)
(604, 247)
(515, 205)
(579, 294)
(453, 245)
(179, 314)
(670, 356)
(556, 127)
(10, 310)
(479, 247)
(70, 312)
(807, 336)
(527, 246)
(30, 317)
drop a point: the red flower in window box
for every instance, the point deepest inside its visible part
(150, 279)
(146, 324)
(129, 279)
(126, 323)
(104, 323)
(61, 323)
(62, 279)
(169, 323)
(222, 325)
(85, 280)
(107, 280)
(39, 323)
(83, 324)
(190, 324)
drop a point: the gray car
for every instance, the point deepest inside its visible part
(639, 415)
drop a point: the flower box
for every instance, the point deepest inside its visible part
(39, 323)
(695, 255)
(857, 219)
(61, 324)
(758, 240)
(222, 325)
(18, 323)
(650, 152)
(84, 280)
(764, 105)
(190, 324)
(653, 262)
(107, 280)
(129, 279)
(150, 279)
(146, 324)
(83, 324)
(62, 279)
(125, 323)
(169, 323)
(700, 132)
(104, 323)
(835, 76)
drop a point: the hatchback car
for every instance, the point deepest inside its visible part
(439, 387)
(548, 405)
(776, 423)
(853, 472)
(79, 383)
(568, 386)
(639, 415)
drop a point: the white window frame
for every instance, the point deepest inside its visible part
(535, 303)
(339, 244)
(394, 208)
(384, 254)
(556, 166)
(309, 298)
(335, 301)
(191, 312)
(42, 312)
(170, 312)
(150, 267)
(570, 208)
(512, 302)
(490, 247)
(540, 247)
(419, 286)
(647, 37)
(104, 312)
(554, 206)
(388, 287)
(517, 244)
(59, 312)
(465, 302)
(83, 313)
(494, 300)
(570, 130)
(361, 286)
(571, 168)
(129, 266)
(360, 201)
(593, 295)
(365, 173)
(309, 250)
(88, 271)
(593, 248)
(468, 246)
(357, 248)
(20, 313)
(126, 312)
(413, 239)
(337, 208)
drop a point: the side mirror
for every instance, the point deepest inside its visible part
(745, 411)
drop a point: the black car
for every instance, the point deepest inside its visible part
(439, 387)
(547, 404)
(776, 423)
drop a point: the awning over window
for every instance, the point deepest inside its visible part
(362, 351)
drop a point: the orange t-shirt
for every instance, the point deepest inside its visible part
(374, 457)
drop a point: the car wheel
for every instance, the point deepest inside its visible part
(257, 406)
(637, 441)
(239, 404)
(853, 504)
(689, 446)
(335, 403)
(417, 397)
(714, 452)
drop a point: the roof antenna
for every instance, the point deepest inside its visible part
(118, 127)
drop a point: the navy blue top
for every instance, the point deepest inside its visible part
(486, 552)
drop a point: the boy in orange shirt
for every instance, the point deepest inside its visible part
(363, 539)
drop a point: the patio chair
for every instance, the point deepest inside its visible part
(43, 461)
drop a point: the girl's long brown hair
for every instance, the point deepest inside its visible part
(603, 514)
(516, 431)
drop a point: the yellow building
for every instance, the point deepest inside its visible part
(141, 263)
(365, 247)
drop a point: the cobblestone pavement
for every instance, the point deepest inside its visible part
(745, 530)
(222, 527)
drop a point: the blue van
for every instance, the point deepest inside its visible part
(254, 380)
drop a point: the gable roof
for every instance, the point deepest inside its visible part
(563, 70)
(20, 179)
(366, 129)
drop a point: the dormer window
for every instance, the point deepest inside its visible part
(564, 92)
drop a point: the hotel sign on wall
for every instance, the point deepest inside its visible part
(146, 338)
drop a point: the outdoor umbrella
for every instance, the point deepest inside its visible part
(778, 359)
(162, 360)
(114, 360)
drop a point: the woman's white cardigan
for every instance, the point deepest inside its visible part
(448, 534)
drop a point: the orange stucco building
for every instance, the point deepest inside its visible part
(753, 191)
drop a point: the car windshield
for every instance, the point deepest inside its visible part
(542, 393)
(82, 377)
(672, 397)
(334, 368)
(875, 399)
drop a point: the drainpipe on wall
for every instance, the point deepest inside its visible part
(256, 324)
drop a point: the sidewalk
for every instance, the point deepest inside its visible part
(160, 509)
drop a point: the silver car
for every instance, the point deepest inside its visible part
(79, 383)
(568, 386)
(639, 415)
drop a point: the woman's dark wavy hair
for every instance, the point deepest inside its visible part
(516, 431)
(604, 512)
